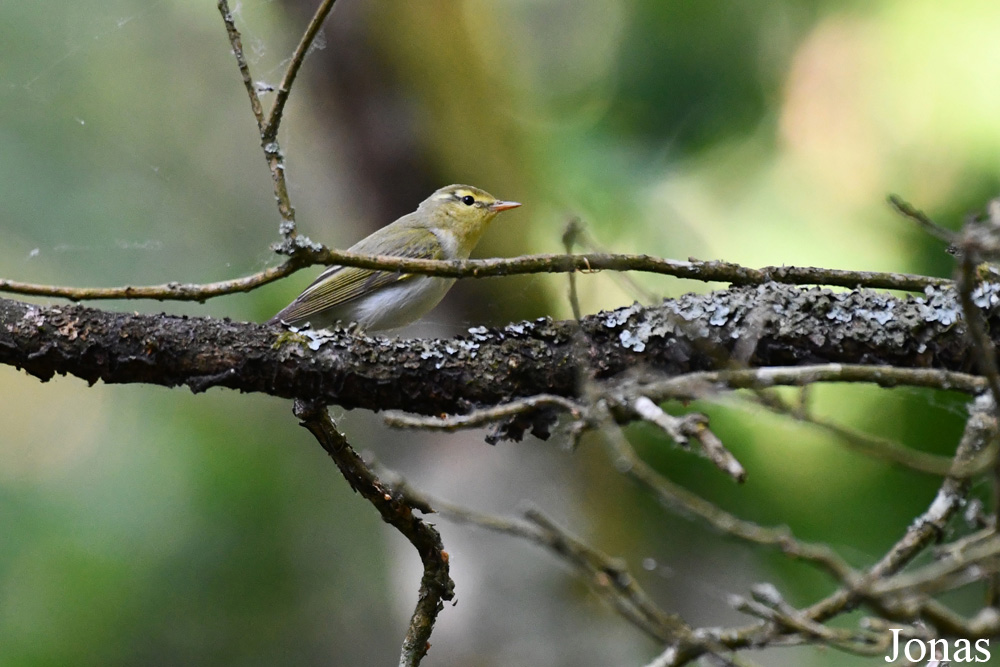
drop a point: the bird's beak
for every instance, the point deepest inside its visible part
(504, 205)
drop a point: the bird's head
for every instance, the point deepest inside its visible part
(464, 211)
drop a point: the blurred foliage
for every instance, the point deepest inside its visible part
(151, 526)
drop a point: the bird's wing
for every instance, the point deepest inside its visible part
(340, 284)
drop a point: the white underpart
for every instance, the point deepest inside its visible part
(395, 305)
(398, 305)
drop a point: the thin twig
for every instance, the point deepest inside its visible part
(973, 564)
(237, 43)
(679, 498)
(573, 230)
(719, 659)
(165, 292)
(682, 429)
(993, 589)
(978, 240)
(794, 621)
(711, 271)
(606, 576)
(626, 282)
(435, 584)
(702, 383)
(268, 126)
(269, 131)
(910, 212)
(483, 416)
(879, 448)
(611, 572)
(984, 624)
(981, 429)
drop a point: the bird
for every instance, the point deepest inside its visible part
(446, 225)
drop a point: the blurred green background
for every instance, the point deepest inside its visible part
(150, 526)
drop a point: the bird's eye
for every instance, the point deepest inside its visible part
(468, 200)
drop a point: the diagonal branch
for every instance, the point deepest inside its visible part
(436, 585)
(236, 41)
(608, 577)
(269, 131)
(680, 499)
(268, 125)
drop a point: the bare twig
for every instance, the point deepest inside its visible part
(268, 125)
(436, 584)
(484, 416)
(981, 239)
(981, 429)
(880, 448)
(984, 624)
(589, 243)
(718, 453)
(166, 292)
(613, 581)
(682, 429)
(993, 590)
(237, 43)
(794, 621)
(668, 657)
(306, 254)
(905, 209)
(971, 564)
(272, 151)
(679, 498)
(607, 576)
(701, 384)
(573, 230)
(269, 131)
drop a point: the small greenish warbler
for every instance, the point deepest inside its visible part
(447, 225)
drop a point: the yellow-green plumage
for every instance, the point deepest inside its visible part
(447, 225)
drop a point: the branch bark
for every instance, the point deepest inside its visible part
(791, 326)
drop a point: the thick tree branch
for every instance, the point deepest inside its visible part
(792, 327)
